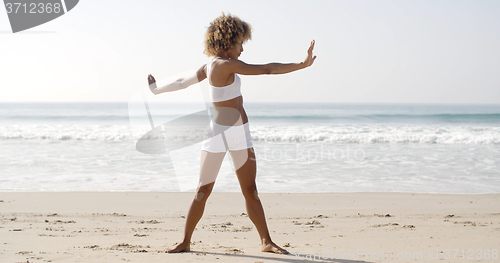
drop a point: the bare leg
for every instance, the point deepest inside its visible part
(209, 168)
(245, 163)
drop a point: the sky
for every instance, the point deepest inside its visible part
(440, 51)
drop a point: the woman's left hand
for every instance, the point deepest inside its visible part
(310, 58)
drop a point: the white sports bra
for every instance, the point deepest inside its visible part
(228, 92)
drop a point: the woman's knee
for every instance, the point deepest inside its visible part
(250, 192)
(203, 192)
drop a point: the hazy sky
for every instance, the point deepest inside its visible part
(436, 51)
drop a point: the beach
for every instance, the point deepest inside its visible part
(385, 149)
(338, 182)
(320, 227)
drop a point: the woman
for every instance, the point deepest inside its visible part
(229, 127)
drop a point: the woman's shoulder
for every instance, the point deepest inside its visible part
(226, 65)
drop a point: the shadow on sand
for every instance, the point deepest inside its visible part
(278, 258)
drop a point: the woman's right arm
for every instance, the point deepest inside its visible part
(242, 68)
(178, 84)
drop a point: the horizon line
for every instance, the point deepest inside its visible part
(266, 102)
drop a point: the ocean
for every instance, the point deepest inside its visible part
(300, 147)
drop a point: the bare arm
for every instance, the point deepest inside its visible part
(178, 84)
(242, 68)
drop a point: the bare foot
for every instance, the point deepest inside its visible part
(182, 247)
(271, 247)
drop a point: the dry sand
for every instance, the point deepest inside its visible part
(358, 227)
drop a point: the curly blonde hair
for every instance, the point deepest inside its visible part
(224, 32)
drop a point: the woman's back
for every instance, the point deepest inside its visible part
(225, 94)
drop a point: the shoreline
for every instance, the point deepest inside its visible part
(139, 226)
(232, 192)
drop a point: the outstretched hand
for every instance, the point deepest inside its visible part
(151, 79)
(310, 58)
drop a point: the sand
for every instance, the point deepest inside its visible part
(326, 227)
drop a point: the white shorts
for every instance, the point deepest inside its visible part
(221, 138)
